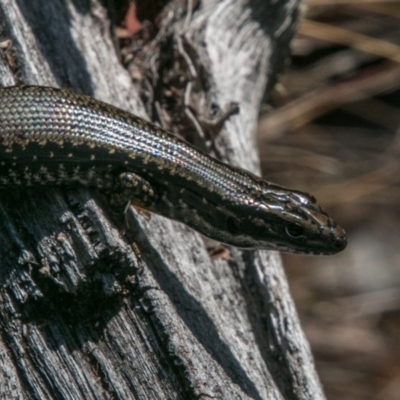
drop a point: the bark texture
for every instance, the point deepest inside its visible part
(91, 310)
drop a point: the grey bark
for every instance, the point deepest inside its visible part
(91, 310)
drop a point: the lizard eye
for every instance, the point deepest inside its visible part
(294, 230)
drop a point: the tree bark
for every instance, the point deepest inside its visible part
(90, 309)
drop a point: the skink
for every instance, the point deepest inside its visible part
(56, 137)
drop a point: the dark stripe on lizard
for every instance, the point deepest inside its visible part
(56, 137)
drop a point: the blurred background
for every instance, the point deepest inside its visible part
(332, 128)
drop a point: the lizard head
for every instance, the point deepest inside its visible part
(274, 218)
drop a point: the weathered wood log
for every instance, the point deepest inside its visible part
(89, 309)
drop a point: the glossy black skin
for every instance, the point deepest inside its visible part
(56, 137)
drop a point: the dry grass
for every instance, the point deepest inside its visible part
(334, 131)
